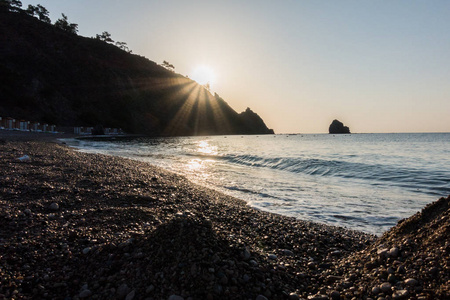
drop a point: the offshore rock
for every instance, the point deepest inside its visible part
(338, 127)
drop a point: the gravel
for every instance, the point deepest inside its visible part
(128, 230)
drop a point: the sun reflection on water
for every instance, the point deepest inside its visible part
(205, 148)
(199, 167)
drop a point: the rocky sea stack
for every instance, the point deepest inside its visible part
(338, 127)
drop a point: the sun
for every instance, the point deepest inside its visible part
(204, 75)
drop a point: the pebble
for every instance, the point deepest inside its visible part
(294, 296)
(86, 250)
(261, 297)
(85, 294)
(382, 252)
(246, 254)
(393, 252)
(433, 271)
(400, 294)
(336, 253)
(150, 289)
(318, 297)
(385, 287)
(175, 297)
(392, 279)
(272, 256)
(411, 282)
(335, 295)
(122, 291)
(288, 252)
(376, 290)
(253, 263)
(54, 206)
(312, 265)
(218, 289)
(130, 295)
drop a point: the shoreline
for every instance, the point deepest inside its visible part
(77, 225)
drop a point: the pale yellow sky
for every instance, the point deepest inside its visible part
(378, 66)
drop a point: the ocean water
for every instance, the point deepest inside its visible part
(365, 182)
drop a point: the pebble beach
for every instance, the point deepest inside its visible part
(88, 226)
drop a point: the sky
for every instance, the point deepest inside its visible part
(377, 66)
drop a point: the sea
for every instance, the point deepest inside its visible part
(365, 182)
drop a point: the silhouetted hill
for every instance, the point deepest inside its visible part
(52, 76)
(252, 122)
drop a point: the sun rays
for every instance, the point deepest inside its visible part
(198, 113)
(204, 75)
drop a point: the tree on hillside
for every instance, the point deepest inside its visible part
(168, 66)
(39, 11)
(11, 5)
(123, 46)
(66, 26)
(105, 37)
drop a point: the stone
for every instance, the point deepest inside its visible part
(400, 294)
(294, 296)
(27, 211)
(318, 297)
(376, 290)
(253, 263)
(392, 279)
(218, 289)
(336, 253)
(224, 280)
(85, 294)
(401, 269)
(288, 252)
(261, 297)
(335, 295)
(393, 252)
(411, 282)
(175, 297)
(385, 287)
(382, 252)
(246, 254)
(54, 206)
(86, 250)
(272, 256)
(150, 289)
(130, 295)
(433, 271)
(122, 291)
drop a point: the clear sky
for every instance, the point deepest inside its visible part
(377, 66)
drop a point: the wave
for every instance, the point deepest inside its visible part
(434, 182)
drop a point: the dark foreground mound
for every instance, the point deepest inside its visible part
(74, 226)
(51, 76)
(410, 261)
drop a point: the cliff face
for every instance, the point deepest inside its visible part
(52, 76)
